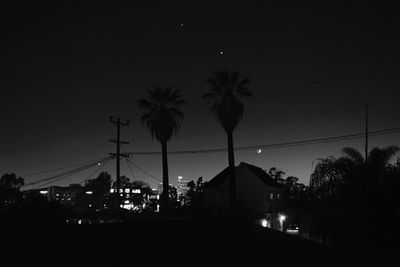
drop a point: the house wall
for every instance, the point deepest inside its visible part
(217, 197)
(251, 193)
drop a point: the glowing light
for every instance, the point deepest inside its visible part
(264, 223)
(111, 190)
(282, 218)
(43, 192)
(136, 191)
(79, 221)
(259, 151)
(292, 231)
(221, 52)
(89, 192)
(127, 190)
(99, 163)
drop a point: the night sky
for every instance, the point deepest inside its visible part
(313, 67)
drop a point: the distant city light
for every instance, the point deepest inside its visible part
(259, 151)
(221, 52)
(43, 192)
(79, 221)
(136, 191)
(112, 190)
(89, 192)
(99, 163)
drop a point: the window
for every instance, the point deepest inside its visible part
(271, 196)
(277, 196)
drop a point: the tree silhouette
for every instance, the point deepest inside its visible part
(100, 187)
(353, 192)
(351, 168)
(10, 186)
(378, 157)
(224, 103)
(163, 118)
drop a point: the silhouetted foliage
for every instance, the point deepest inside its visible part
(163, 118)
(10, 193)
(352, 193)
(100, 186)
(195, 193)
(223, 99)
(276, 174)
(172, 196)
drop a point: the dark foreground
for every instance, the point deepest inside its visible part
(177, 241)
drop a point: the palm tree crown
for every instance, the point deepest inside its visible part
(224, 103)
(163, 118)
(162, 115)
(377, 157)
(224, 98)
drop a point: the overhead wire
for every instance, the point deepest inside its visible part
(144, 171)
(277, 145)
(57, 177)
(96, 171)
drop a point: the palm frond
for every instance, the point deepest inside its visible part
(382, 156)
(354, 155)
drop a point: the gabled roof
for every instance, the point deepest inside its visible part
(258, 172)
(218, 179)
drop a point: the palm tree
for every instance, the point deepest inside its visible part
(377, 157)
(163, 118)
(224, 103)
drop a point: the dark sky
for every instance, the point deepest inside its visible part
(66, 68)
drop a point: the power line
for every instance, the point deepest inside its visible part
(65, 174)
(130, 169)
(98, 170)
(52, 142)
(61, 168)
(144, 171)
(280, 145)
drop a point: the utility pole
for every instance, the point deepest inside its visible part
(366, 133)
(118, 153)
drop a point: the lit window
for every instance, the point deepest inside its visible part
(277, 196)
(112, 190)
(271, 196)
(127, 190)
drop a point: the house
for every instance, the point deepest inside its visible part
(255, 191)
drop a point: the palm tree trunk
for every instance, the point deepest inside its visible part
(165, 200)
(231, 161)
